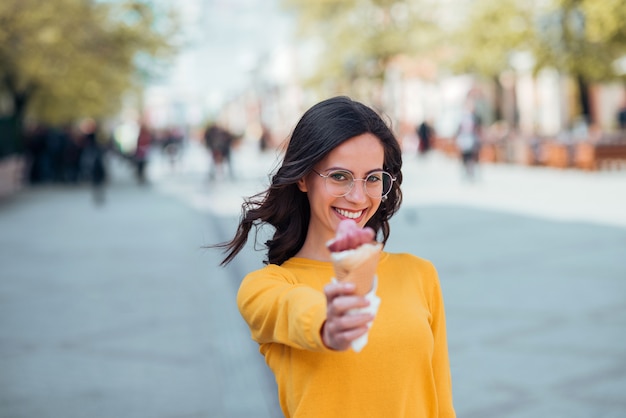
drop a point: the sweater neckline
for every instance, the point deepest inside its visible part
(301, 261)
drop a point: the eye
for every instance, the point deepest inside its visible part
(340, 176)
(375, 178)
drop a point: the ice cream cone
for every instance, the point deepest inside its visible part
(357, 266)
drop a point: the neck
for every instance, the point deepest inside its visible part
(314, 249)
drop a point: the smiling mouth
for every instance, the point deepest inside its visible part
(349, 214)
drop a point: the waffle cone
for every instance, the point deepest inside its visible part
(357, 266)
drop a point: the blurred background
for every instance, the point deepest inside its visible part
(130, 131)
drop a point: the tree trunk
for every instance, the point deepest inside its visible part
(20, 104)
(20, 99)
(498, 99)
(583, 91)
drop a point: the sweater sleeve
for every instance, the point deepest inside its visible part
(440, 360)
(279, 310)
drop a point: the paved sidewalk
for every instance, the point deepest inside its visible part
(540, 192)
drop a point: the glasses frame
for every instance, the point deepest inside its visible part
(354, 180)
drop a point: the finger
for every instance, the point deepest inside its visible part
(338, 324)
(354, 333)
(343, 323)
(334, 290)
(352, 321)
(340, 305)
(342, 340)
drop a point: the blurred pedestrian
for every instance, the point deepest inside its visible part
(425, 134)
(57, 141)
(266, 139)
(219, 142)
(93, 158)
(72, 155)
(38, 153)
(342, 163)
(173, 144)
(144, 140)
(468, 139)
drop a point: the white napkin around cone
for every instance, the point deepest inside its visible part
(358, 344)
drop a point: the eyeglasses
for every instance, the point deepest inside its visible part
(339, 183)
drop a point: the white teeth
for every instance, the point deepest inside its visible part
(351, 215)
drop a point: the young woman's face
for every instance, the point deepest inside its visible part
(360, 156)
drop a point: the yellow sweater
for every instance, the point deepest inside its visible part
(404, 369)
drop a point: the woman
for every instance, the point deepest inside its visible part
(301, 318)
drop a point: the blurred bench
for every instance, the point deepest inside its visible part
(609, 153)
(447, 146)
(555, 154)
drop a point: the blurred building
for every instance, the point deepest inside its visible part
(244, 67)
(224, 42)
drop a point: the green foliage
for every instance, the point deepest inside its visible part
(492, 31)
(65, 59)
(360, 37)
(578, 37)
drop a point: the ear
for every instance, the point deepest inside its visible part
(302, 185)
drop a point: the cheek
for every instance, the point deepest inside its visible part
(316, 197)
(375, 207)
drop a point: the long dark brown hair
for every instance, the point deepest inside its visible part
(283, 206)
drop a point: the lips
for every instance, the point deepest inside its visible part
(349, 214)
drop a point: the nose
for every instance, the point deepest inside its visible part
(357, 193)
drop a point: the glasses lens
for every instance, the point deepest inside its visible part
(339, 183)
(378, 184)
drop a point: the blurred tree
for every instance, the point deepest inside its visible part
(581, 38)
(486, 41)
(491, 31)
(360, 37)
(65, 59)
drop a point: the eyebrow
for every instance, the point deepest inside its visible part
(350, 171)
